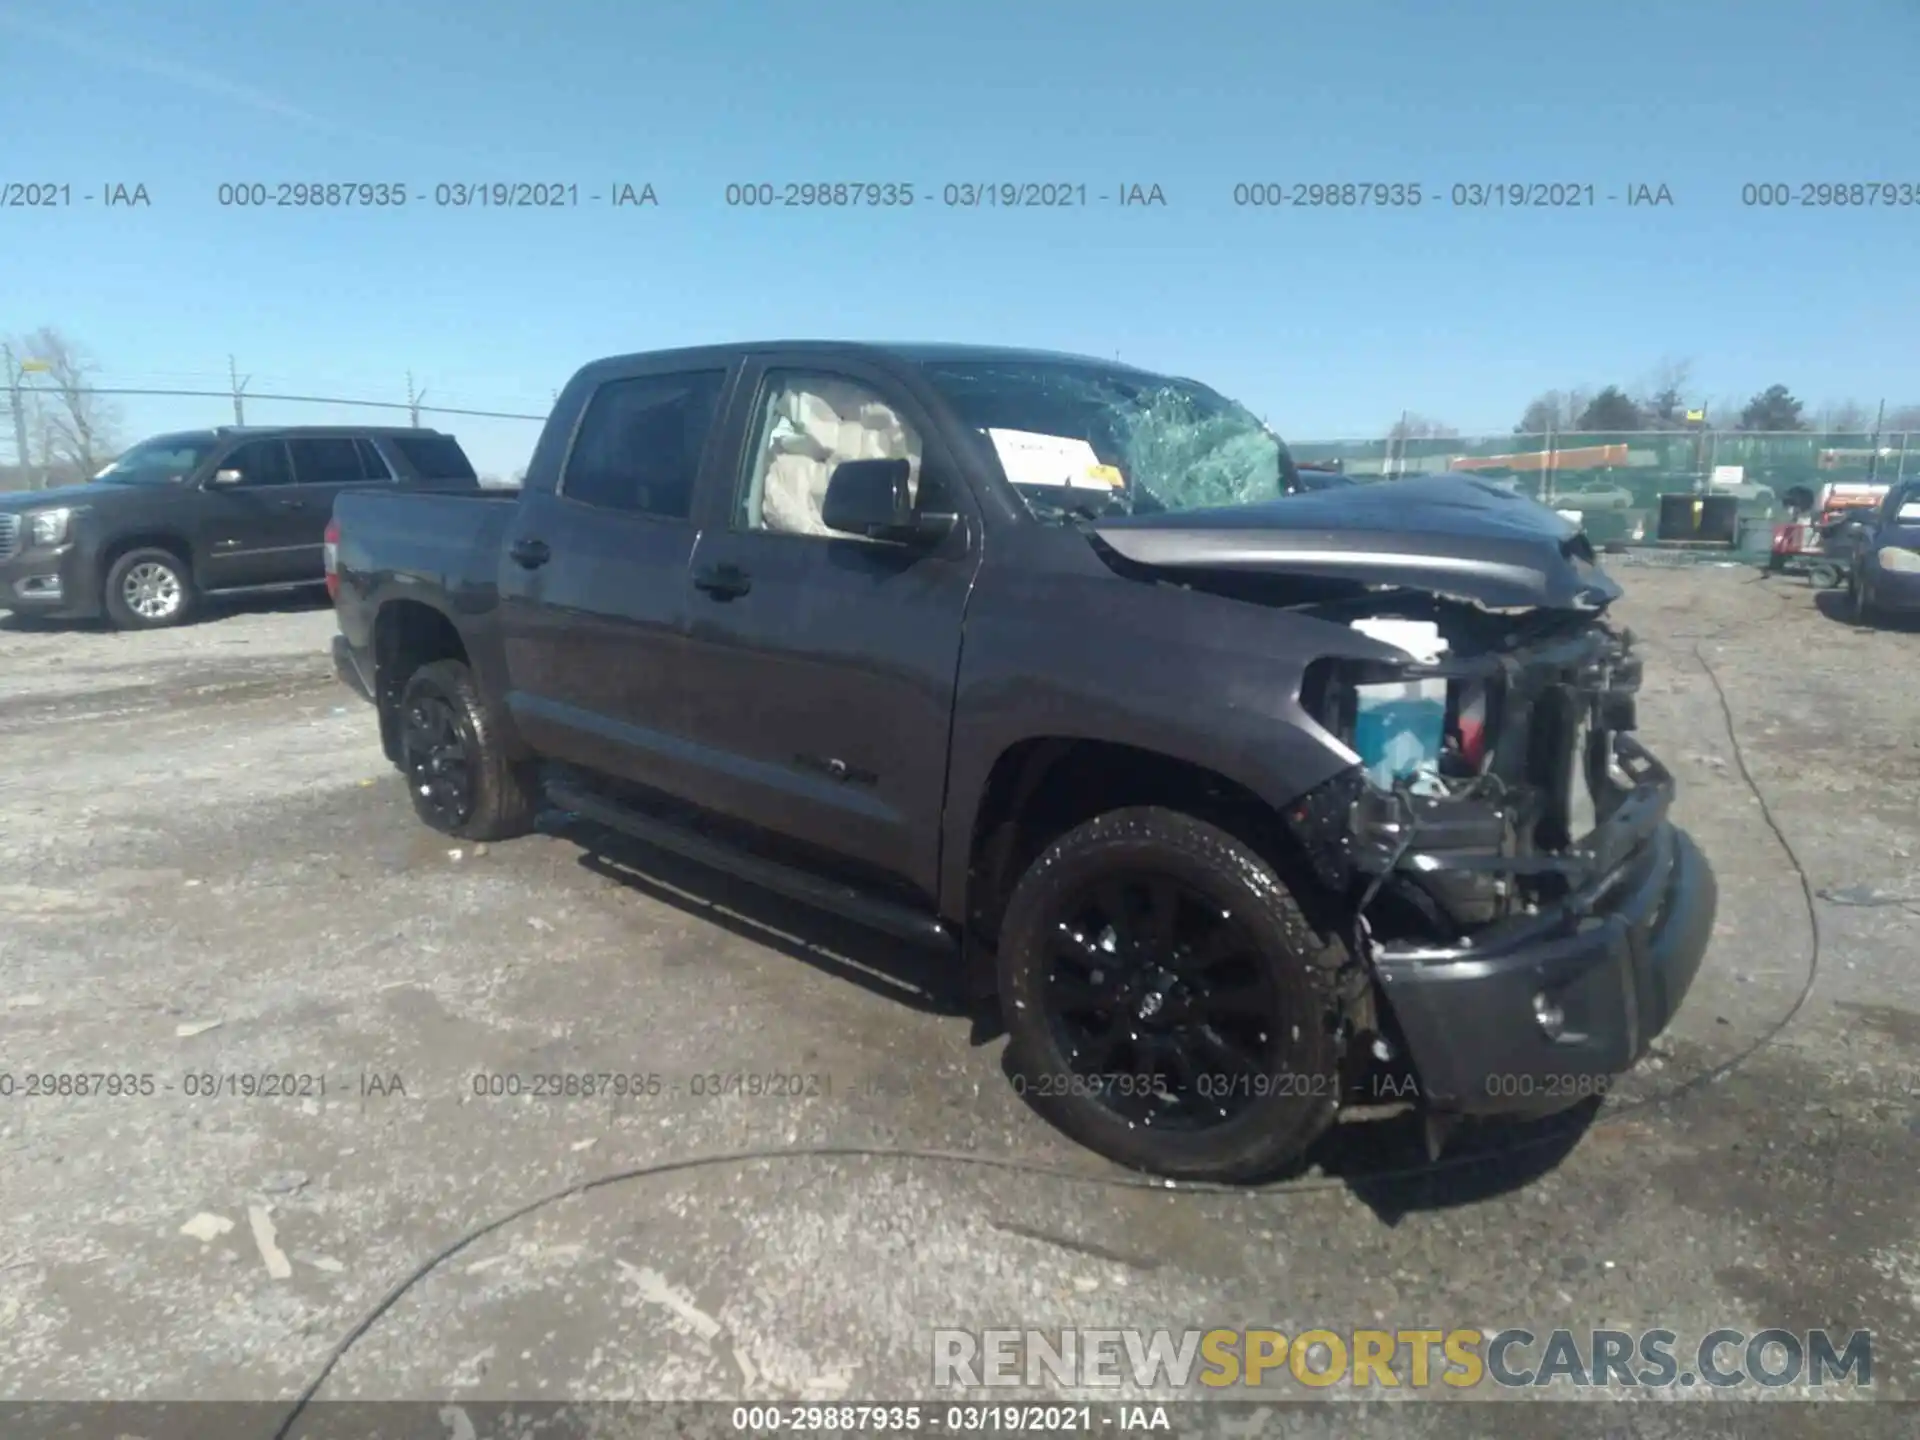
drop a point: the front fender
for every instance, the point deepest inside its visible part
(1192, 677)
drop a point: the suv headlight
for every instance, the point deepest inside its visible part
(1903, 562)
(49, 527)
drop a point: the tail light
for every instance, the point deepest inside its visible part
(330, 555)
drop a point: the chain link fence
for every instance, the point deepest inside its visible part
(42, 443)
(1644, 463)
(1614, 480)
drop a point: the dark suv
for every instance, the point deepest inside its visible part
(1882, 548)
(202, 512)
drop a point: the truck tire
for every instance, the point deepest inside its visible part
(1206, 1049)
(1860, 610)
(148, 589)
(458, 774)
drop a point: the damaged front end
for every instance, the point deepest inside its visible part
(1526, 916)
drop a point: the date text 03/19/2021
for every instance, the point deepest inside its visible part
(1463, 195)
(957, 1419)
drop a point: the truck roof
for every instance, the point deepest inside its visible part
(910, 351)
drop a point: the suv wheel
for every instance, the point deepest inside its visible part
(1167, 1003)
(458, 774)
(148, 589)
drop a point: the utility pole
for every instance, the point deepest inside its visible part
(19, 417)
(414, 397)
(1873, 459)
(239, 388)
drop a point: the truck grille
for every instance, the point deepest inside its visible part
(9, 536)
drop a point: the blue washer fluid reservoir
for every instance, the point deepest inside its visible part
(1399, 728)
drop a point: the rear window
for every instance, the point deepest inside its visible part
(436, 457)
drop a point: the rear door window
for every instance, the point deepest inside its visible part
(373, 465)
(326, 460)
(434, 457)
(640, 444)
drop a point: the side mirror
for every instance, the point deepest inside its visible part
(872, 498)
(228, 477)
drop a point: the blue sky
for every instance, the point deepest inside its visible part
(1329, 322)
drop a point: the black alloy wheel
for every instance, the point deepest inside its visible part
(437, 757)
(1168, 1003)
(1157, 998)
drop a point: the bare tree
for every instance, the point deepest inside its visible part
(1553, 410)
(1663, 394)
(1844, 417)
(40, 439)
(1543, 413)
(1903, 417)
(80, 424)
(1419, 427)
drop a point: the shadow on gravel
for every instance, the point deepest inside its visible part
(20, 624)
(303, 601)
(1383, 1163)
(212, 609)
(920, 980)
(1832, 604)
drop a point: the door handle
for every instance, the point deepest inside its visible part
(723, 582)
(291, 504)
(529, 554)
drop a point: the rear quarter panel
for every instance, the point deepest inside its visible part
(437, 549)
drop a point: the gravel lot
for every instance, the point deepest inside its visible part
(206, 867)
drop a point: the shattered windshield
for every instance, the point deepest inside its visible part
(1080, 439)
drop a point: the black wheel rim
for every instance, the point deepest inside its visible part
(1161, 1003)
(439, 762)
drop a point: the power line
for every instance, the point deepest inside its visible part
(409, 405)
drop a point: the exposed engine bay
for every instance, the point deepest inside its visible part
(1536, 754)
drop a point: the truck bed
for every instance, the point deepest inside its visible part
(447, 541)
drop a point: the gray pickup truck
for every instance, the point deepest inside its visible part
(1254, 801)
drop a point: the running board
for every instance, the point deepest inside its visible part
(859, 906)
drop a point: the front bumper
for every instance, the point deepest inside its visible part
(346, 667)
(1614, 961)
(56, 581)
(1528, 932)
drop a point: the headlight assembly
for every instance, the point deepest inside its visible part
(48, 527)
(1901, 562)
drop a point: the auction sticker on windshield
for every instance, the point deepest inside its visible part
(1031, 458)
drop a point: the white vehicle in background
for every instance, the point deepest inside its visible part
(1595, 495)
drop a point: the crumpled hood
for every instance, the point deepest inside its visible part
(64, 495)
(1447, 534)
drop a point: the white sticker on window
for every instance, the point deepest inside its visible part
(1031, 458)
(1909, 514)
